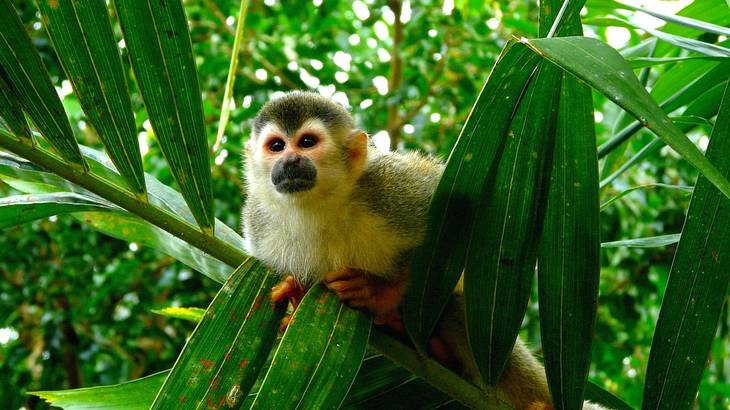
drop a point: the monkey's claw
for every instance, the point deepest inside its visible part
(288, 289)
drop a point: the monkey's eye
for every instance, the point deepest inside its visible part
(308, 141)
(276, 145)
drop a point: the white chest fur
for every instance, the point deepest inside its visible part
(309, 243)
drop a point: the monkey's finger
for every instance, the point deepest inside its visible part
(288, 288)
(352, 284)
(284, 323)
(343, 274)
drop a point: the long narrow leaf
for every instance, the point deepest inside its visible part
(223, 356)
(82, 36)
(318, 357)
(604, 69)
(437, 264)
(18, 209)
(11, 111)
(30, 82)
(685, 21)
(132, 395)
(156, 33)
(649, 242)
(697, 287)
(502, 252)
(568, 268)
(675, 91)
(641, 62)
(192, 314)
(685, 189)
(705, 106)
(568, 263)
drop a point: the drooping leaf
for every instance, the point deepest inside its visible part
(568, 261)
(18, 209)
(28, 178)
(649, 242)
(704, 106)
(318, 357)
(156, 34)
(29, 80)
(687, 81)
(604, 69)
(192, 314)
(438, 263)
(132, 395)
(11, 111)
(568, 267)
(697, 287)
(160, 195)
(501, 256)
(675, 91)
(82, 36)
(222, 358)
(127, 227)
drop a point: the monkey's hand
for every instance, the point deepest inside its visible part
(288, 290)
(360, 289)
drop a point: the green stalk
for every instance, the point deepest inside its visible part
(125, 199)
(225, 108)
(435, 374)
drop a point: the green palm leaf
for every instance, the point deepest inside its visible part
(82, 36)
(156, 34)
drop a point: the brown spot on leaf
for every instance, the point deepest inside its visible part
(242, 363)
(207, 363)
(715, 256)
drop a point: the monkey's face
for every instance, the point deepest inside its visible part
(312, 161)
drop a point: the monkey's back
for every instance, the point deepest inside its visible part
(399, 187)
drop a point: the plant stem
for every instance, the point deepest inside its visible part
(435, 374)
(111, 192)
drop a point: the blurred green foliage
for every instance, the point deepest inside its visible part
(75, 306)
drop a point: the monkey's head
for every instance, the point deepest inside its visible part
(304, 146)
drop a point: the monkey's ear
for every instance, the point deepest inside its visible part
(357, 147)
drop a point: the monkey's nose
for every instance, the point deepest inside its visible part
(292, 160)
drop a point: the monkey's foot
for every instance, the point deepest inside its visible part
(358, 289)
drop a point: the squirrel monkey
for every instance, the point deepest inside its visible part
(325, 206)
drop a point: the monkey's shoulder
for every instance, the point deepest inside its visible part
(399, 187)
